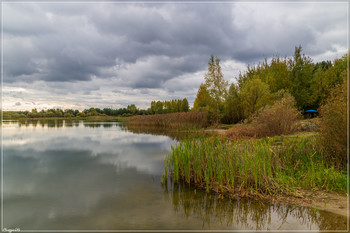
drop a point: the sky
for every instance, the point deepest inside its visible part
(112, 54)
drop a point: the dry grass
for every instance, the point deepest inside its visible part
(244, 131)
(179, 120)
(278, 119)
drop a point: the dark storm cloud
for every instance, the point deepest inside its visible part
(77, 42)
(145, 46)
(152, 72)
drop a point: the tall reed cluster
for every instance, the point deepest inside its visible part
(179, 120)
(252, 167)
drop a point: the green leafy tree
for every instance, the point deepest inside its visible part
(203, 99)
(211, 95)
(153, 107)
(68, 114)
(167, 107)
(327, 76)
(132, 109)
(216, 86)
(233, 112)
(278, 76)
(184, 105)
(159, 107)
(81, 114)
(254, 95)
(301, 68)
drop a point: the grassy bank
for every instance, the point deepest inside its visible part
(264, 167)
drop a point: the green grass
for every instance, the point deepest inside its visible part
(254, 167)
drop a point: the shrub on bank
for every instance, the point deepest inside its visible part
(278, 119)
(333, 126)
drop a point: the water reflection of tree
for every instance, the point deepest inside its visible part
(98, 124)
(246, 214)
(64, 123)
(173, 134)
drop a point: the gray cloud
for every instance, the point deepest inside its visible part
(112, 46)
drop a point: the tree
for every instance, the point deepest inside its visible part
(211, 95)
(254, 95)
(132, 109)
(68, 114)
(301, 68)
(184, 105)
(277, 75)
(203, 99)
(159, 107)
(153, 107)
(81, 114)
(214, 80)
(233, 112)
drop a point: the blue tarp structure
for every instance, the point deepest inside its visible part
(311, 110)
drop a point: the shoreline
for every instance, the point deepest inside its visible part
(328, 201)
(333, 202)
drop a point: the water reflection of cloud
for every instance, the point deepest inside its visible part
(73, 183)
(60, 172)
(142, 151)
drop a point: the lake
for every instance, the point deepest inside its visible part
(66, 175)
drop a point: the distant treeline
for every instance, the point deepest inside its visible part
(157, 107)
(170, 106)
(129, 111)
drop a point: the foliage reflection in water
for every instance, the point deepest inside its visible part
(246, 214)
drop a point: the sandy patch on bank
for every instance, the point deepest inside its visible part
(328, 201)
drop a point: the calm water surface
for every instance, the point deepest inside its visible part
(99, 176)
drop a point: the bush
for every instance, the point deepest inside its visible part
(333, 126)
(278, 119)
(309, 125)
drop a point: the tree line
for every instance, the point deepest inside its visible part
(309, 83)
(171, 106)
(157, 107)
(34, 113)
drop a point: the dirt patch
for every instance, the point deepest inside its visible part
(328, 201)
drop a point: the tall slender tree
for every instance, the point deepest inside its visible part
(215, 87)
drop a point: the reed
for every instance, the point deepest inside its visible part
(180, 121)
(253, 167)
